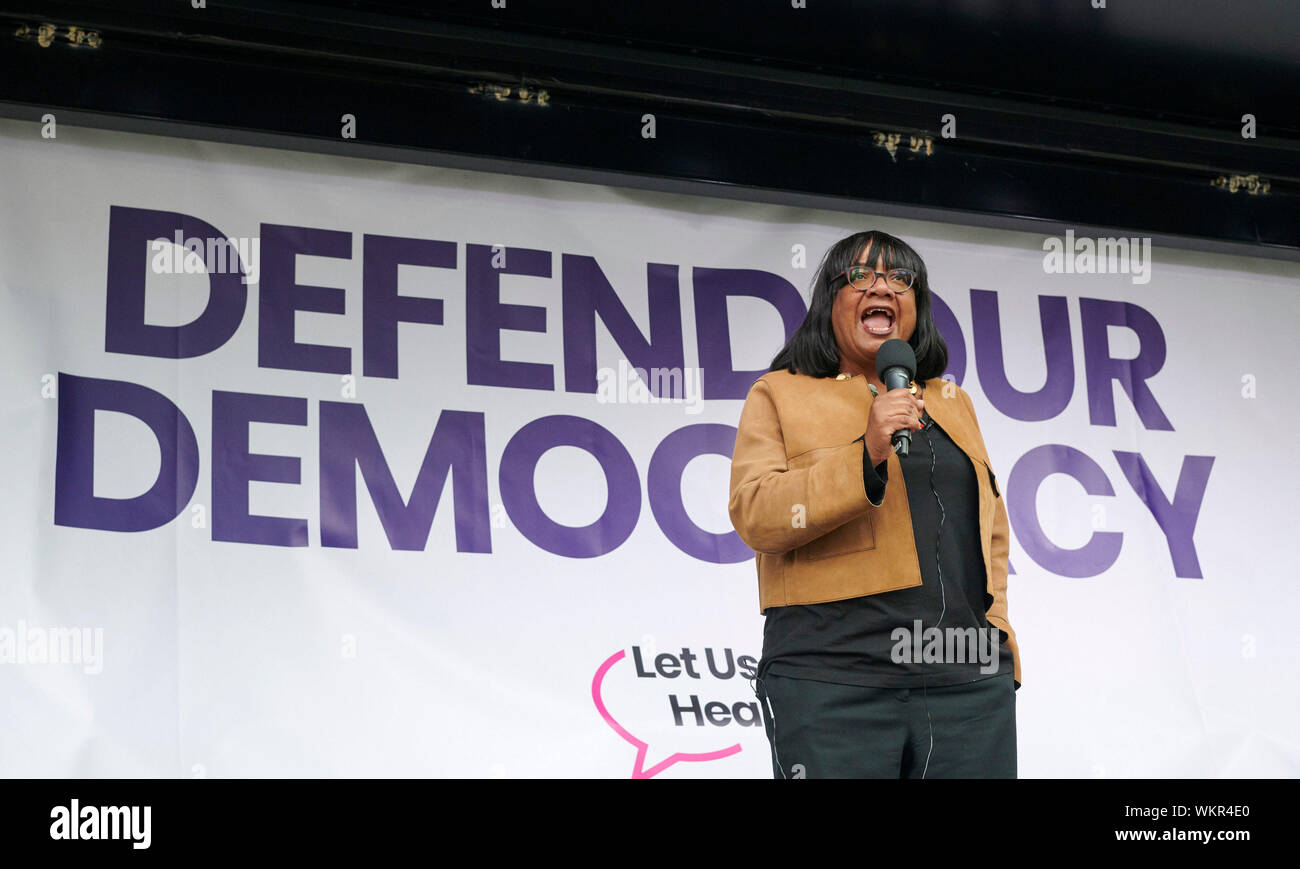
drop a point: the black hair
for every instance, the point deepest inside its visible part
(813, 350)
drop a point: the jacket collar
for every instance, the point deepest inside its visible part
(947, 412)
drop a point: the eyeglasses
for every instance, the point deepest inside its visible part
(862, 278)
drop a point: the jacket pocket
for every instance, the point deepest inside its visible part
(993, 481)
(853, 536)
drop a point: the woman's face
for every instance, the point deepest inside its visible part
(858, 341)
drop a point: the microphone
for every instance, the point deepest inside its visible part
(896, 368)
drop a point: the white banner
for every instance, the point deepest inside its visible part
(382, 494)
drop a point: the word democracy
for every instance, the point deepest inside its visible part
(457, 438)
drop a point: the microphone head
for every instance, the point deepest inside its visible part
(896, 353)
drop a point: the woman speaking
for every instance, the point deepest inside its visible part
(880, 537)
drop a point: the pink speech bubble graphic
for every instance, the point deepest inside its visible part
(638, 770)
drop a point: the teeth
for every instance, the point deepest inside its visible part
(885, 331)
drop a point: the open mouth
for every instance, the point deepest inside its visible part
(878, 319)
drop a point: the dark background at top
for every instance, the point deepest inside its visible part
(1199, 63)
(1067, 116)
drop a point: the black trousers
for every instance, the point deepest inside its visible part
(826, 730)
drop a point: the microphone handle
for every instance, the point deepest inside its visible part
(901, 440)
(898, 377)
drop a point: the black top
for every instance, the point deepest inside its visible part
(849, 641)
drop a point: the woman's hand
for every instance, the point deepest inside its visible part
(891, 411)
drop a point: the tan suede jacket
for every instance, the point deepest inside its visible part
(797, 497)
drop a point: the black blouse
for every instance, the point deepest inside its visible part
(849, 641)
